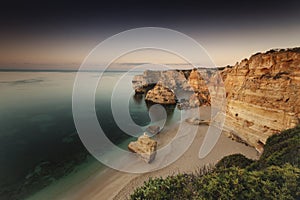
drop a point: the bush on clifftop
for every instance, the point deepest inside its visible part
(276, 175)
(231, 183)
(235, 160)
(280, 149)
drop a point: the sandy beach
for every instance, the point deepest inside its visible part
(113, 184)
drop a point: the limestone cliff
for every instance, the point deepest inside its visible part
(161, 94)
(198, 80)
(165, 87)
(142, 83)
(263, 95)
(171, 79)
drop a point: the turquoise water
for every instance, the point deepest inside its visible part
(38, 140)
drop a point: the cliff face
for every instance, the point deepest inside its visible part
(142, 83)
(263, 95)
(171, 79)
(160, 86)
(199, 80)
(163, 86)
(160, 94)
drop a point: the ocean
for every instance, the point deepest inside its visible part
(39, 144)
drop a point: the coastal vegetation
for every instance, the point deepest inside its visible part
(276, 175)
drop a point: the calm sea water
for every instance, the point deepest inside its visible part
(38, 140)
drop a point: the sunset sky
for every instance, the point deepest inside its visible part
(60, 35)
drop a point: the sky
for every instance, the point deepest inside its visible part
(60, 34)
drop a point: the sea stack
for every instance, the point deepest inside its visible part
(144, 147)
(161, 95)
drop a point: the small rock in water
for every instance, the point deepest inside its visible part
(153, 130)
(144, 147)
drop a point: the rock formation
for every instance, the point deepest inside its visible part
(189, 85)
(263, 95)
(142, 83)
(172, 79)
(144, 147)
(161, 95)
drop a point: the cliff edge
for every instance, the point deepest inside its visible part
(262, 93)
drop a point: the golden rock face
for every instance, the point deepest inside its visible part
(144, 147)
(263, 95)
(161, 86)
(162, 95)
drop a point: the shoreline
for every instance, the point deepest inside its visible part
(113, 184)
(189, 162)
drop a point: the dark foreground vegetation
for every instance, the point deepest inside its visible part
(276, 175)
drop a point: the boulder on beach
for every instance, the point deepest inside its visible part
(144, 147)
(197, 121)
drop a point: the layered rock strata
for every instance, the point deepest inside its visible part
(199, 80)
(161, 94)
(144, 147)
(263, 95)
(172, 79)
(188, 86)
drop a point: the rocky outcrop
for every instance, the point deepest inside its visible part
(142, 83)
(172, 79)
(263, 95)
(199, 80)
(189, 86)
(161, 95)
(144, 147)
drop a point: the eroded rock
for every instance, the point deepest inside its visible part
(144, 147)
(172, 79)
(263, 95)
(190, 85)
(161, 95)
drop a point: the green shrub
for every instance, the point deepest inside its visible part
(180, 186)
(276, 175)
(235, 160)
(231, 183)
(280, 149)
